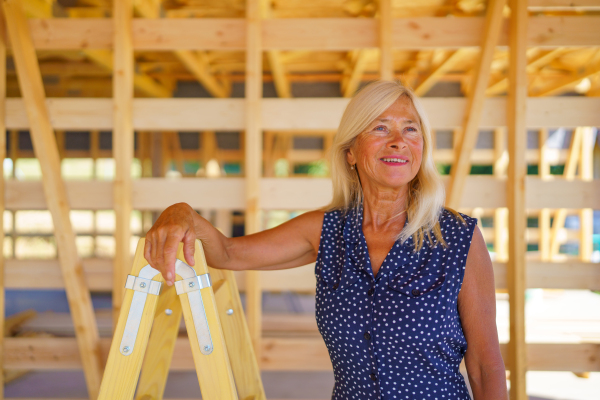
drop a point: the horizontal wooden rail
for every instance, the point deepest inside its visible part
(286, 193)
(297, 354)
(305, 33)
(290, 114)
(550, 275)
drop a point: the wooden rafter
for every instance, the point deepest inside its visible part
(101, 57)
(193, 61)
(386, 58)
(44, 142)
(533, 66)
(351, 83)
(552, 88)
(462, 164)
(198, 65)
(282, 83)
(434, 74)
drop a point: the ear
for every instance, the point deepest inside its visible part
(350, 156)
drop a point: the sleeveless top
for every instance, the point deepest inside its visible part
(396, 335)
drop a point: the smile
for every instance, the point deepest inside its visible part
(394, 160)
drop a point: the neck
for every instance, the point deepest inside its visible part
(385, 208)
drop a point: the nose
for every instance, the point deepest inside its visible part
(397, 140)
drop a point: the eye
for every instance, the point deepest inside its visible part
(380, 128)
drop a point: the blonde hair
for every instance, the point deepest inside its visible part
(426, 192)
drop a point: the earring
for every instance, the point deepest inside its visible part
(351, 166)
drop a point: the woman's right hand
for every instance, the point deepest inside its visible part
(176, 224)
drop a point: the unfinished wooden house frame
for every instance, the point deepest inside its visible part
(374, 41)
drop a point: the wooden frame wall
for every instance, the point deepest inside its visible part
(255, 115)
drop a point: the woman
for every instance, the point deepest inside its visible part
(405, 288)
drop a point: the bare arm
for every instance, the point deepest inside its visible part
(477, 309)
(292, 244)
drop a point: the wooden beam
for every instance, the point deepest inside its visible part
(102, 57)
(306, 33)
(285, 194)
(568, 174)
(554, 87)
(3, 134)
(282, 83)
(141, 82)
(290, 354)
(564, 5)
(517, 217)
(306, 114)
(253, 160)
(586, 215)
(460, 168)
(533, 66)
(386, 58)
(352, 82)
(198, 65)
(544, 174)
(123, 138)
(434, 74)
(569, 274)
(44, 143)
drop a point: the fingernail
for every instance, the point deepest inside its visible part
(169, 283)
(169, 277)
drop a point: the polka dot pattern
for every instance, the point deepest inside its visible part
(396, 335)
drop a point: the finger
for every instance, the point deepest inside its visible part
(158, 255)
(147, 247)
(170, 255)
(189, 247)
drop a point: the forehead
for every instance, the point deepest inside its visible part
(400, 111)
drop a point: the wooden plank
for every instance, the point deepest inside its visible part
(572, 274)
(253, 159)
(286, 193)
(461, 167)
(3, 40)
(517, 217)
(386, 58)
(306, 33)
(122, 146)
(291, 354)
(291, 114)
(564, 5)
(44, 143)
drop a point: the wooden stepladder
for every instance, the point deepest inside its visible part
(216, 327)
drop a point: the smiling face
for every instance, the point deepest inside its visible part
(388, 153)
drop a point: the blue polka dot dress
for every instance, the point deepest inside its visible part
(396, 335)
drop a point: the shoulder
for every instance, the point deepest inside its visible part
(454, 221)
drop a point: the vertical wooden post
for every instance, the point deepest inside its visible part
(517, 170)
(544, 217)
(560, 215)
(122, 146)
(46, 150)
(386, 60)
(253, 162)
(586, 215)
(2, 157)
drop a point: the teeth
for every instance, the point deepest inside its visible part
(396, 160)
